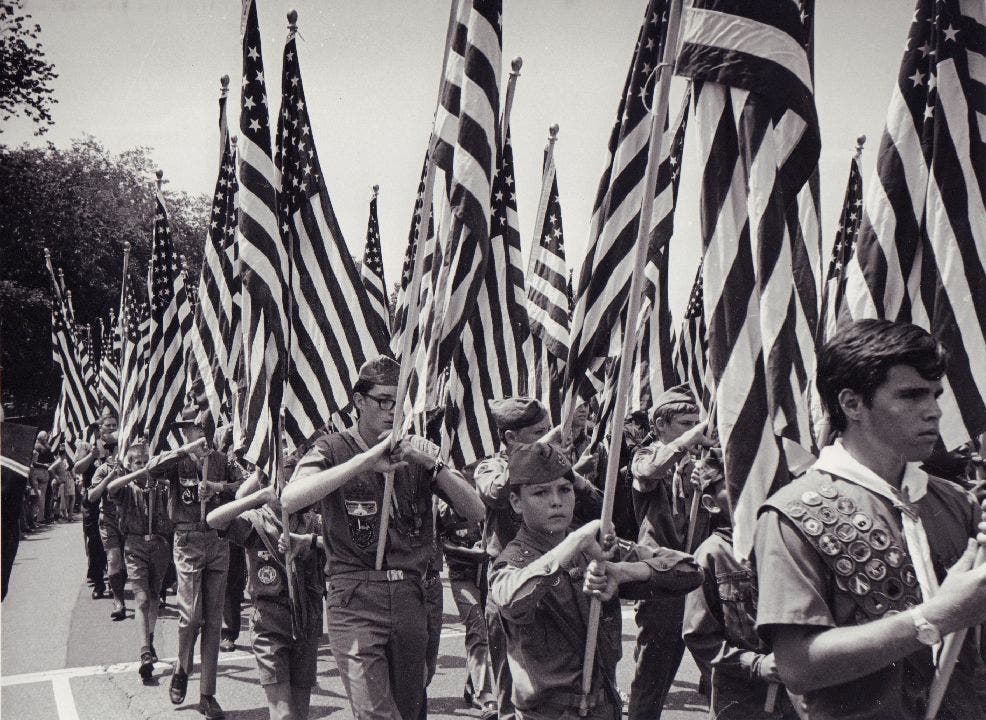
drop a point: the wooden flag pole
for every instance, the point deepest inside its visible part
(662, 87)
(123, 288)
(413, 292)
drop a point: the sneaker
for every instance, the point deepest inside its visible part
(227, 645)
(146, 668)
(119, 611)
(210, 708)
(179, 684)
(98, 592)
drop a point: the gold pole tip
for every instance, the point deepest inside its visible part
(47, 253)
(376, 190)
(553, 131)
(160, 174)
(224, 82)
(861, 140)
(126, 246)
(516, 64)
(293, 17)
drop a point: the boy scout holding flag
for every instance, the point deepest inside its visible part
(377, 617)
(542, 583)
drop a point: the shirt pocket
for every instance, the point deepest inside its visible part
(738, 597)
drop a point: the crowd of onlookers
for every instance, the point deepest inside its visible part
(53, 491)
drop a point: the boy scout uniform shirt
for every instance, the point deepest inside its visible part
(351, 514)
(107, 514)
(545, 616)
(266, 578)
(833, 554)
(132, 504)
(663, 517)
(184, 479)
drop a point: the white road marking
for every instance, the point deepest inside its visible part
(64, 702)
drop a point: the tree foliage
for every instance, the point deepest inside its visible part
(25, 76)
(82, 203)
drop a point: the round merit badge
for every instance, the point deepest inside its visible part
(879, 539)
(828, 491)
(894, 556)
(860, 551)
(811, 498)
(267, 574)
(845, 532)
(812, 526)
(827, 515)
(796, 510)
(861, 521)
(845, 506)
(829, 545)
(845, 566)
(876, 569)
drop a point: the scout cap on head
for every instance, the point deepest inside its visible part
(514, 413)
(381, 370)
(674, 396)
(537, 463)
(189, 418)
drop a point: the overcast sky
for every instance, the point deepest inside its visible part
(146, 72)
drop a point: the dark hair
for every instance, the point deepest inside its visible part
(362, 387)
(861, 354)
(638, 417)
(670, 411)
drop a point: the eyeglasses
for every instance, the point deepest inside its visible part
(384, 403)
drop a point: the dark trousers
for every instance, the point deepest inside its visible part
(498, 662)
(236, 578)
(11, 506)
(96, 555)
(657, 655)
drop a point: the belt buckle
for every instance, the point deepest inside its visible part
(393, 575)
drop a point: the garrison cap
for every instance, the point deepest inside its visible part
(189, 418)
(672, 396)
(514, 413)
(537, 463)
(381, 370)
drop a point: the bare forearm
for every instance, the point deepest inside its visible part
(309, 489)
(461, 495)
(222, 516)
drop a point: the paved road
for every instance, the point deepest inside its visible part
(62, 658)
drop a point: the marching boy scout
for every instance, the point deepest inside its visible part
(142, 513)
(543, 581)
(377, 619)
(201, 559)
(855, 552)
(111, 533)
(286, 648)
(519, 421)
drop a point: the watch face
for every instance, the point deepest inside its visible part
(927, 633)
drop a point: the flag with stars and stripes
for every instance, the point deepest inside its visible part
(919, 255)
(135, 345)
(215, 339)
(371, 269)
(465, 149)
(494, 357)
(78, 403)
(834, 290)
(109, 365)
(264, 265)
(757, 131)
(334, 326)
(547, 293)
(170, 323)
(691, 347)
(604, 281)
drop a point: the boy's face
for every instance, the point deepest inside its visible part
(547, 508)
(136, 460)
(376, 409)
(903, 416)
(672, 429)
(107, 427)
(529, 434)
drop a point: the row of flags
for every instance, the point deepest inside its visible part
(284, 316)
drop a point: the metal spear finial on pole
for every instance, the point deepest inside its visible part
(860, 141)
(160, 179)
(376, 191)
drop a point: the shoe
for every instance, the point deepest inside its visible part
(210, 708)
(146, 668)
(489, 711)
(162, 604)
(153, 653)
(227, 645)
(119, 611)
(97, 593)
(179, 684)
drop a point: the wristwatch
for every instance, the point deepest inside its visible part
(437, 467)
(927, 633)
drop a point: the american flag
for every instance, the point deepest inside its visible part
(834, 290)
(171, 321)
(547, 290)
(495, 355)
(87, 356)
(654, 370)
(604, 282)
(109, 364)
(691, 347)
(77, 404)
(135, 324)
(334, 326)
(215, 338)
(919, 255)
(263, 264)
(758, 130)
(465, 142)
(371, 269)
